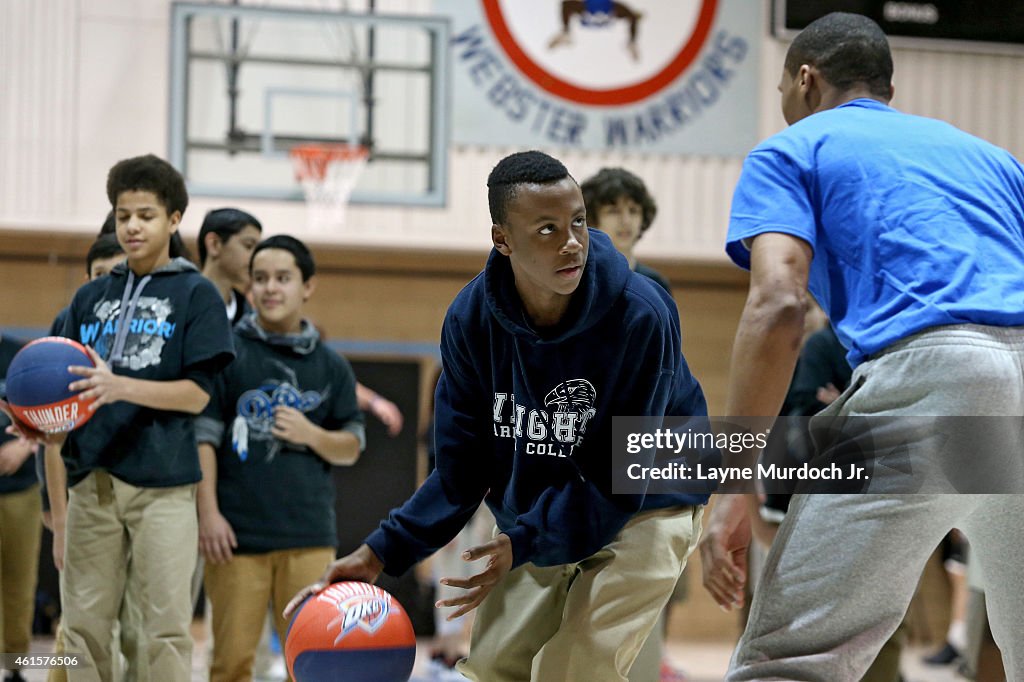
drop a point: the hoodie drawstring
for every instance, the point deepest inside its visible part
(129, 301)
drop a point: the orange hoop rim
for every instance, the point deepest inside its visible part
(330, 151)
(312, 160)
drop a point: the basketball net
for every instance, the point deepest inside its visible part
(328, 174)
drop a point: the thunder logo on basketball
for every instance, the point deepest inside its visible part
(359, 606)
(554, 432)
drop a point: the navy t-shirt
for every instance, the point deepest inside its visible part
(275, 494)
(165, 326)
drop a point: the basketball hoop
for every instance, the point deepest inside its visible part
(328, 173)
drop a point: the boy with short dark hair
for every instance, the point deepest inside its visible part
(226, 240)
(157, 332)
(279, 417)
(539, 352)
(619, 205)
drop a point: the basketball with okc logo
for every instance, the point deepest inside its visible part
(350, 631)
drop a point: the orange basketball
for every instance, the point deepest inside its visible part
(37, 385)
(350, 631)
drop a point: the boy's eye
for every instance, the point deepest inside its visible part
(580, 222)
(547, 229)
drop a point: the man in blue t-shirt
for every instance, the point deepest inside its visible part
(910, 234)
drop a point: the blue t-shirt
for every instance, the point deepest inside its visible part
(914, 223)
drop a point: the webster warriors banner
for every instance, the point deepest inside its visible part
(670, 76)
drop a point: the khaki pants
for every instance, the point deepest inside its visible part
(143, 540)
(240, 592)
(588, 620)
(21, 524)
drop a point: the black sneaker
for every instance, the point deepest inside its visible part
(14, 676)
(943, 656)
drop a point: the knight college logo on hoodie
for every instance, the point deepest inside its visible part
(554, 432)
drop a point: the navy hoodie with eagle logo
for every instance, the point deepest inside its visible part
(523, 420)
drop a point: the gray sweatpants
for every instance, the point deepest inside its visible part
(843, 568)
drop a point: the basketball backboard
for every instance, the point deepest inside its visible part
(248, 83)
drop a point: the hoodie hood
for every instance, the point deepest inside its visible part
(303, 343)
(605, 275)
(178, 264)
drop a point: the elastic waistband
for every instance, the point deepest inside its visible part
(1006, 338)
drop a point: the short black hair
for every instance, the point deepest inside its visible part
(303, 258)
(848, 49)
(611, 184)
(225, 223)
(109, 225)
(175, 247)
(148, 173)
(105, 246)
(521, 168)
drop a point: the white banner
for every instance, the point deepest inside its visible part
(662, 76)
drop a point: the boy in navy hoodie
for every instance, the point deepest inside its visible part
(279, 417)
(555, 337)
(157, 332)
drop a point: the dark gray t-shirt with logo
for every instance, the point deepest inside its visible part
(168, 325)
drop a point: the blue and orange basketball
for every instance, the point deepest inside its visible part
(37, 385)
(351, 631)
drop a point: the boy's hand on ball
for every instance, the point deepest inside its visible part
(20, 429)
(100, 385)
(291, 425)
(480, 585)
(361, 564)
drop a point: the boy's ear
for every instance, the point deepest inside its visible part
(308, 287)
(499, 239)
(213, 243)
(175, 219)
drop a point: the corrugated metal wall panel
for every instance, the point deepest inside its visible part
(980, 93)
(38, 52)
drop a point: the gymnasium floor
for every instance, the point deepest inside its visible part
(703, 662)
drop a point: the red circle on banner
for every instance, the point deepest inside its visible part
(614, 96)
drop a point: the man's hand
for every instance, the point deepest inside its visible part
(827, 394)
(723, 551)
(100, 385)
(216, 538)
(480, 585)
(388, 413)
(291, 425)
(361, 564)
